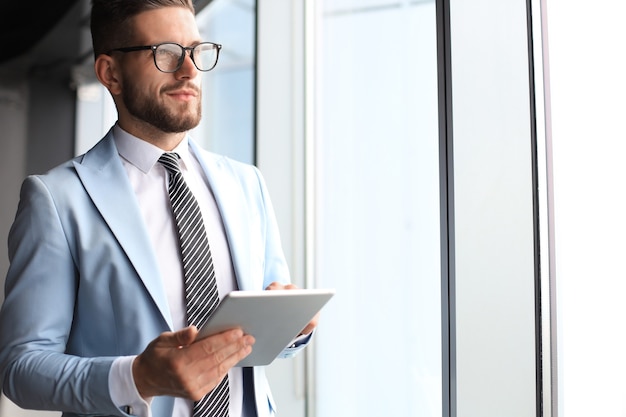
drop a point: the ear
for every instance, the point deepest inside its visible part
(107, 71)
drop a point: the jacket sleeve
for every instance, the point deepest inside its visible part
(276, 268)
(38, 313)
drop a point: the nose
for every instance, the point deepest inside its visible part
(188, 68)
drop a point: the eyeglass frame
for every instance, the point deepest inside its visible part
(181, 60)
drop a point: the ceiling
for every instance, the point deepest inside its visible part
(50, 39)
(42, 41)
(24, 24)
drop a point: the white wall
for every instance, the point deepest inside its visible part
(587, 90)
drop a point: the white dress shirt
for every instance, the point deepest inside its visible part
(148, 179)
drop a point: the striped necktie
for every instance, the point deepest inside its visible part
(200, 285)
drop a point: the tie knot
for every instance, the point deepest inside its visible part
(170, 161)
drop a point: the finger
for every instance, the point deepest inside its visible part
(218, 340)
(221, 362)
(218, 347)
(311, 325)
(278, 286)
(308, 329)
(235, 352)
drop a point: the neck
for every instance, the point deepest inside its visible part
(164, 140)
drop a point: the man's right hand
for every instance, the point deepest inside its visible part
(178, 365)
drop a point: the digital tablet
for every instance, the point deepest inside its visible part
(273, 317)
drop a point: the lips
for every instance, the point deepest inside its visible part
(186, 92)
(183, 94)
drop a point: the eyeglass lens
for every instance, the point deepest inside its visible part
(170, 56)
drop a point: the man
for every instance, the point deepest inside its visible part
(96, 318)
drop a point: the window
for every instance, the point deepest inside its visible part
(227, 125)
(377, 210)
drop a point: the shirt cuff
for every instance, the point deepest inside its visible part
(300, 340)
(296, 345)
(123, 391)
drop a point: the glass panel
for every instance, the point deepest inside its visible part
(377, 211)
(227, 125)
(494, 247)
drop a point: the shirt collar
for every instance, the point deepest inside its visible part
(142, 154)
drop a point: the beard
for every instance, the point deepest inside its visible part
(168, 119)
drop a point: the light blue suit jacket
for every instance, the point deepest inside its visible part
(83, 285)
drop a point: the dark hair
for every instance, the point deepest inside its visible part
(110, 20)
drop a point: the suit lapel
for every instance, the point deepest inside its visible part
(106, 182)
(232, 206)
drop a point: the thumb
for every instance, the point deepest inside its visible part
(183, 337)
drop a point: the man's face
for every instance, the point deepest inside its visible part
(171, 102)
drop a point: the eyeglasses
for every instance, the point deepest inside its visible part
(169, 56)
